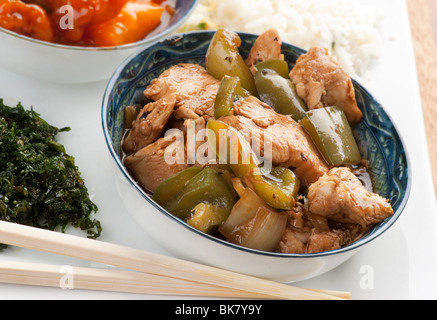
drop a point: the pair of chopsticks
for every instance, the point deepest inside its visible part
(146, 272)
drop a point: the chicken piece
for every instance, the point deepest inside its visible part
(323, 241)
(315, 241)
(193, 86)
(149, 125)
(296, 242)
(197, 147)
(293, 241)
(339, 195)
(149, 166)
(320, 82)
(291, 145)
(267, 46)
(307, 232)
(185, 114)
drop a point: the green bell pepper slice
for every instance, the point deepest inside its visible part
(278, 189)
(280, 94)
(223, 59)
(207, 186)
(172, 186)
(333, 136)
(230, 89)
(207, 217)
(277, 65)
(282, 179)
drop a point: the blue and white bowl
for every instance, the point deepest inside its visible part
(376, 135)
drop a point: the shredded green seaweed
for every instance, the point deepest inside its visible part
(40, 185)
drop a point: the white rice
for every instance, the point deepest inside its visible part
(348, 29)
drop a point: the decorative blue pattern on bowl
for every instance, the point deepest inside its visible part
(376, 135)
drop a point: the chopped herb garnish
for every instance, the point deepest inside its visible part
(202, 26)
(40, 185)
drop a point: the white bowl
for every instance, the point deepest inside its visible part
(72, 64)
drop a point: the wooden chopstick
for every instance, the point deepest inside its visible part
(151, 263)
(69, 277)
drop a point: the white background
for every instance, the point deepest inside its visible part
(402, 263)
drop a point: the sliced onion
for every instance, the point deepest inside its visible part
(262, 232)
(244, 210)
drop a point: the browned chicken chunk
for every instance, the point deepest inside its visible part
(320, 82)
(294, 241)
(323, 241)
(193, 86)
(339, 195)
(150, 124)
(185, 114)
(309, 242)
(291, 145)
(149, 165)
(267, 46)
(196, 141)
(311, 233)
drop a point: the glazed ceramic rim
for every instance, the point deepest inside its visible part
(386, 224)
(146, 40)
